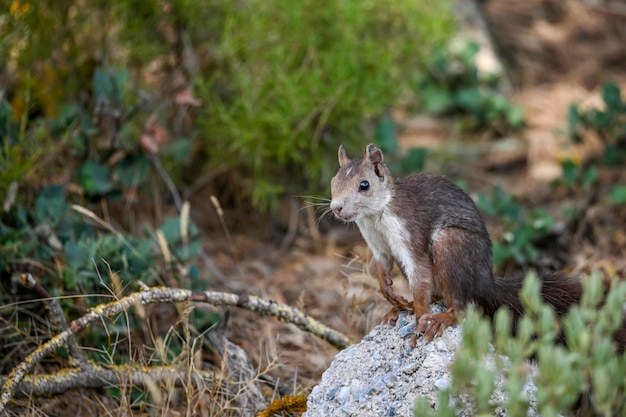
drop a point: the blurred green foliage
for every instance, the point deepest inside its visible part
(563, 375)
(453, 85)
(400, 163)
(281, 84)
(521, 227)
(609, 125)
(85, 262)
(52, 232)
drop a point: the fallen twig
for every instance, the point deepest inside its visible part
(95, 376)
(283, 312)
(57, 318)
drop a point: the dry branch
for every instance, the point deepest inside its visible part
(165, 295)
(59, 323)
(283, 312)
(95, 376)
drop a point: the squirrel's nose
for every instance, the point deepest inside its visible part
(336, 207)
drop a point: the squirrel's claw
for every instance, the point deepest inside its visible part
(430, 326)
(392, 315)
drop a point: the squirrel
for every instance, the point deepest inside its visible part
(433, 231)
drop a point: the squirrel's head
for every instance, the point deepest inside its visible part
(361, 187)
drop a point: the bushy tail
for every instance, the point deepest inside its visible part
(558, 289)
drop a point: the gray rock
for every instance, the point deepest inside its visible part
(382, 376)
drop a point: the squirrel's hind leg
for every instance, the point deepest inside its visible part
(460, 266)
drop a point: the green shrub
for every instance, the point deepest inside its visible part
(589, 363)
(294, 80)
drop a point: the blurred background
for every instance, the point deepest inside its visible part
(191, 144)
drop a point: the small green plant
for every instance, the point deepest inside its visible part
(454, 86)
(576, 176)
(589, 363)
(521, 227)
(609, 124)
(53, 232)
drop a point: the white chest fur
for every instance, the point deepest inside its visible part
(388, 237)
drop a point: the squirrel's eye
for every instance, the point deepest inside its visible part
(364, 186)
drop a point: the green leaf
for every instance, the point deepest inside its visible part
(612, 96)
(515, 116)
(530, 293)
(179, 149)
(415, 160)
(51, 204)
(590, 176)
(484, 387)
(102, 85)
(497, 103)
(503, 322)
(486, 204)
(573, 121)
(386, 134)
(613, 156)
(437, 101)
(602, 120)
(121, 81)
(593, 291)
(194, 275)
(469, 99)
(570, 171)
(469, 52)
(501, 253)
(6, 111)
(95, 178)
(75, 256)
(133, 170)
(541, 221)
(110, 84)
(138, 258)
(618, 194)
(202, 318)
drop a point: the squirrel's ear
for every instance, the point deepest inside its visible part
(373, 155)
(374, 158)
(343, 158)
